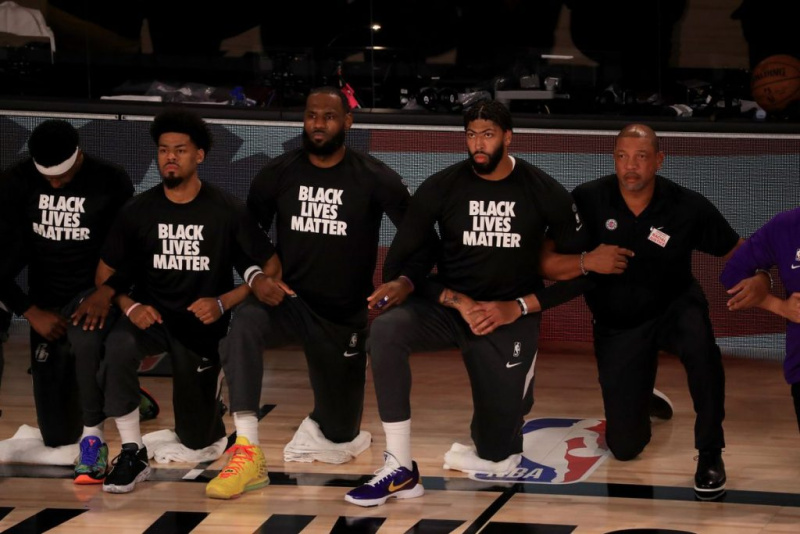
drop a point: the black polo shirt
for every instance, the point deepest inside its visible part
(676, 222)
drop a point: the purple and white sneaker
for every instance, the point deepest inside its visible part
(390, 481)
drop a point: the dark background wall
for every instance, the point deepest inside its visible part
(638, 49)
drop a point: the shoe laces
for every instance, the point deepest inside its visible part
(240, 455)
(89, 452)
(125, 461)
(388, 469)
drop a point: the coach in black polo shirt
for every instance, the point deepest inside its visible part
(656, 303)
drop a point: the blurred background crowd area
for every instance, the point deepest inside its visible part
(579, 57)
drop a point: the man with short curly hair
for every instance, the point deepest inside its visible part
(176, 245)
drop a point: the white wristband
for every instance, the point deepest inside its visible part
(251, 273)
(523, 306)
(131, 308)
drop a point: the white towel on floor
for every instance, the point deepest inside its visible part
(27, 446)
(465, 458)
(309, 444)
(164, 446)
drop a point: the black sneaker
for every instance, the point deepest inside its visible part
(709, 479)
(660, 406)
(130, 467)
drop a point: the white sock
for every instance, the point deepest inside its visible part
(398, 441)
(128, 427)
(247, 426)
(94, 431)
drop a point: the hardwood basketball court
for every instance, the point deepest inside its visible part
(650, 494)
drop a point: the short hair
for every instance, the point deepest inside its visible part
(490, 110)
(53, 142)
(185, 122)
(641, 131)
(333, 91)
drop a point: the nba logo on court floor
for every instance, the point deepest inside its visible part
(557, 451)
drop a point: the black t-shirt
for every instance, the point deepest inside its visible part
(327, 224)
(58, 233)
(491, 232)
(676, 222)
(175, 254)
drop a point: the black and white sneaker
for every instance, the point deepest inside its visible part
(130, 467)
(660, 406)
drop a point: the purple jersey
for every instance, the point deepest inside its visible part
(777, 243)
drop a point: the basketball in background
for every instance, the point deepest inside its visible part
(776, 82)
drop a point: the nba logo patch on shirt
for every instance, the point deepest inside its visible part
(578, 222)
(611, 224)
(797, 255)
(353, 340)
(658, 237)
(517, 349)
(42, 353)
(557, 451)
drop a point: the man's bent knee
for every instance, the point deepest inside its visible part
(627, 449)
(248, 315)
(386, 328)
(123, 348)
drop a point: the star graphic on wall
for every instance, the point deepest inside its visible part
(272, 142)
(151, 178)
(30, 124)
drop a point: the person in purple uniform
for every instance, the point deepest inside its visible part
(777, 243)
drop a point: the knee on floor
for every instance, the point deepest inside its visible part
(626, 451)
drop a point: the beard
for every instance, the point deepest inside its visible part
(172, 181)
(487, 168)
(325, 149)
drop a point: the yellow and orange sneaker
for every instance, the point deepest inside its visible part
(246, 471)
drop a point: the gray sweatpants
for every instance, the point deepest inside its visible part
(500, 367)
(195, 374)
(335, 356)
